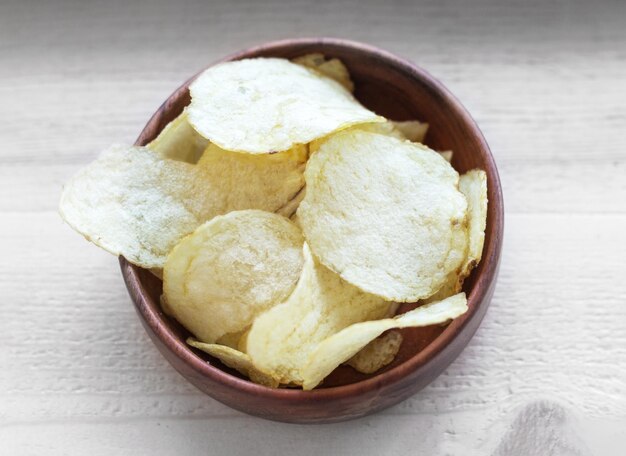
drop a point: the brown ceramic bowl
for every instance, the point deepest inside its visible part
(399, 90)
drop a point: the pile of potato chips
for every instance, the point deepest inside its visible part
(287, 221)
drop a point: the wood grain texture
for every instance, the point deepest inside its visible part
(544, 80)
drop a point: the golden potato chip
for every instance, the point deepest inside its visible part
(321, 304)
(268, 105)
(377, 354)
(289, 209)
(413, 130)
(333, 68)
(344, 344)
(134, 203)
(473, 185)
(266, 182)
(231, 269)
(384, 214)
(235, 360)
(179, 141)
(447, 155)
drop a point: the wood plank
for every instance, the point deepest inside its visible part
(550, 323)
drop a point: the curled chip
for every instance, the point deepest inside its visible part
(281, 339)
(333, 68)
(385, 214)
(134, 203)
(267, 105)
(343, 345)
(235, 360)
(289, 209)
(377, 354)
(179, 141)
(231, 269)
(473, 185)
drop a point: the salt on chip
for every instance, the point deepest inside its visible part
(281, 339)
(384, 214)
(266, 105)
(235, 360)
(231, 269)
(377, 354)
(343, 345)
(333, 68)
(179, 141)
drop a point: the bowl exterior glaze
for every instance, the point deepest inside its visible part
(399, 90)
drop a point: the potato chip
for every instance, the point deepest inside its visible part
(134, 203)
(413, 130)
(321, 304)
(179, 141)
(231, 269)
(473, 185)
(343, 345)
(333, 68)
(384, 214)
(131, 202)
(235, 360)
(289, 209)
(377, 354)
(447, 155)
(268, 105)
(266, 182)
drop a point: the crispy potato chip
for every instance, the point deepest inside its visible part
(131, 202)
(382, 128)
(377, 354)
(231, 269)
(134, 203)
(289, 209)
(333, 68)
(321, 304)
(384, 214)
(266, 182)
(179, 141)
(344, 344)
(447, 155)
(413, 130)
(268, 105)
(235, 360)
(473, 185)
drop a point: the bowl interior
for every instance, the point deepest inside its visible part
(396, 90)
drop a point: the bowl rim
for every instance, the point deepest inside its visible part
(476, 297)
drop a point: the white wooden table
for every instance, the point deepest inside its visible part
(546, 372)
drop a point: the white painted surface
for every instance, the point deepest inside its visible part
(546, 372)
